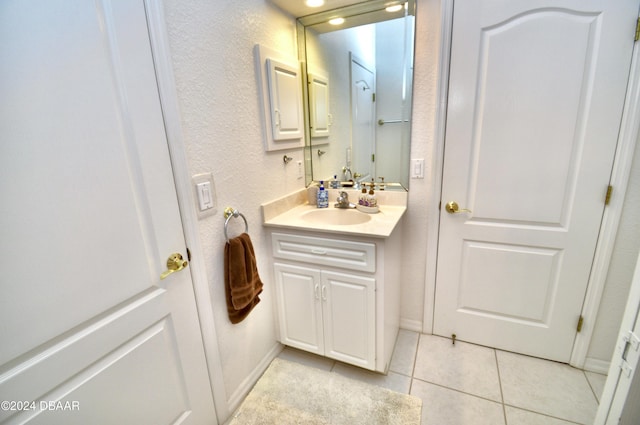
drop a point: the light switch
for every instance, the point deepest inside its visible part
(417, 168)
(204, 195)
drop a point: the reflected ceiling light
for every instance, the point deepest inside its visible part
(314, 3)
(337, 21)
(394, 8)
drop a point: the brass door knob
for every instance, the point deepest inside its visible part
(453, 208)
(175, 263)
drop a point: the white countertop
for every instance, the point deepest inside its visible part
(381, 224)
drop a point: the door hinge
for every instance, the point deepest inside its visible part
(580, 322)
(632, 339)
(188, 255)
(607, 197)
(629, 361)
(637, 37)
(373, 97)
(373, 157)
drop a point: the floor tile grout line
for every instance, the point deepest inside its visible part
(504, 409)
(569, 421)
(593, 391)
(415, 360)
(456, 390)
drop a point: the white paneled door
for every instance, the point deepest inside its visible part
(89, 333)
(363, 124)
(536, 94)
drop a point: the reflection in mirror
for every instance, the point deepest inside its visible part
(359, 97)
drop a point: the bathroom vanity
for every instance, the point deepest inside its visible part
(336, 276)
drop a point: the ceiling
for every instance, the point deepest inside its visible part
(298, 8)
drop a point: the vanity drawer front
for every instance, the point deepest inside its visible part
(323, 251)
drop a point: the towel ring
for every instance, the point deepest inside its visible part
(231, 212)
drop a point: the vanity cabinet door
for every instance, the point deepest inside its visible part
(298, 294)
(327, 313)
(348, 306)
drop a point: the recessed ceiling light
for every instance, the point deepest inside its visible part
(314, 3)
(394, 8)
(337, 21)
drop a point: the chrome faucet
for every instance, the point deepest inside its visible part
(343, 201)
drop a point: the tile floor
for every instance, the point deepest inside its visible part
(466, 384)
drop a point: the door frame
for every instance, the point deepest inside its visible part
(617, 388)
(629, 131)
(169, 104)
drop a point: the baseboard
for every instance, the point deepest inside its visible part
(411, 325)
(241, 392)
(597, 365)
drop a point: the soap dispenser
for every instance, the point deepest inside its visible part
(363, 196)
(373, 202)
(368, 202)
(323, 197)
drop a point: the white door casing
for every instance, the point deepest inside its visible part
(623, 380)
(512, 273)
(89, 219)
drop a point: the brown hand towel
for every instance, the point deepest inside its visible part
(242, 282)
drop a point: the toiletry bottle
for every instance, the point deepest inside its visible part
(373, 202)
(334, 182)
(323, 197)
(363, 196)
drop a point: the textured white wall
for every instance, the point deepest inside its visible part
(425, 84)
(211, 46)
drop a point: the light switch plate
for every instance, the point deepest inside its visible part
(417, 168)
(204, 194)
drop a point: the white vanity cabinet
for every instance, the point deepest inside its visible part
(338, 296)
(327, 313)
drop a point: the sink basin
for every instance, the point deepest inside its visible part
(335, 216)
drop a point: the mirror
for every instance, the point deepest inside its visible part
(359, 80)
